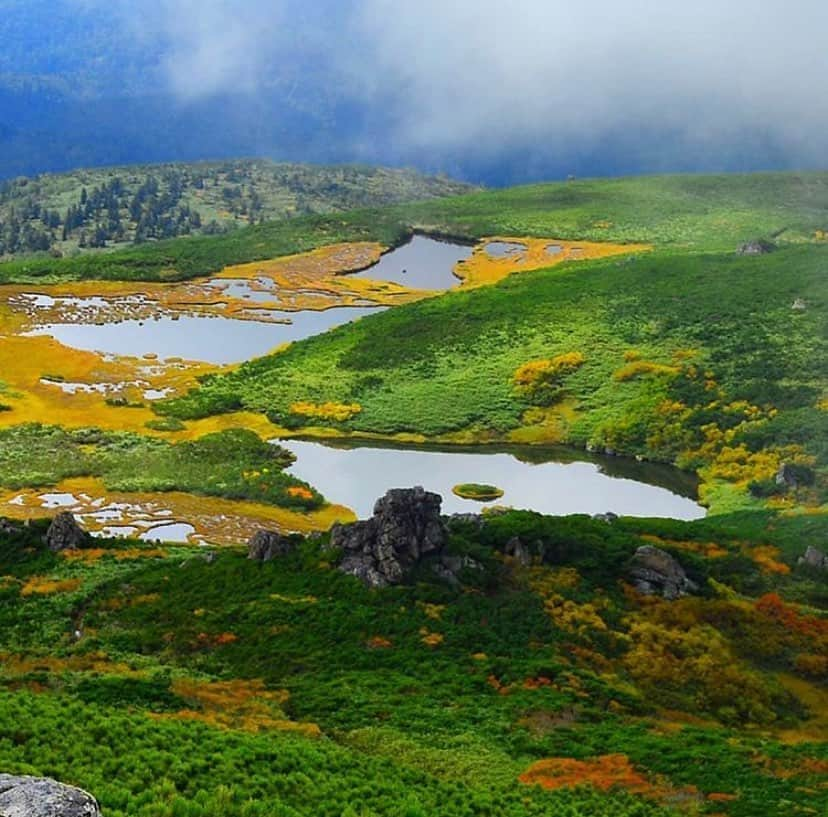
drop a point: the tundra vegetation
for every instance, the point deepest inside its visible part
(175, 684)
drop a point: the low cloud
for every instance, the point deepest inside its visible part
(486, 76)
(487, 72)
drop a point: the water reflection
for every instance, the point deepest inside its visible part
(550, 481)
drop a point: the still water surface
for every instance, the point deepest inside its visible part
(539, 480)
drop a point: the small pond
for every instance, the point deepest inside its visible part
(422, 263)
(540, 479)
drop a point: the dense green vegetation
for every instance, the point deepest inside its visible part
(95, 209)
(235, 464)
(684, 212)
(201, 687)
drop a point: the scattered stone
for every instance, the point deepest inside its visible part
(814, 557)
(405, 527)
(265, 545)
(459, 519)
(449, 568)
(799, 305)
(609, 517)
(65, 533)
(41, 797)
(655, 572)
(759, 247)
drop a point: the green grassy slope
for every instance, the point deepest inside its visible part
(427, 700)
(688, 212)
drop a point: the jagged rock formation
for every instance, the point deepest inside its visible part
(814, 557)
(265, 545)
(654, 572)
(65, 534)
(405, 527)
(41, 797)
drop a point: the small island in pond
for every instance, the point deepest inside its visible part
(479, 493)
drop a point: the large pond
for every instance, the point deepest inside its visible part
(211, 339)
(422, 263)
(540, 479)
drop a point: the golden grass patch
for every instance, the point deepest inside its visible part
(482, 269)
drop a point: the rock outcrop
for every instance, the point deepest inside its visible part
(794, 476)
(405, 527)
(65, 533)
(265, 545)
(41, 797)
(759, 247)
(814, 557)
(654, 572)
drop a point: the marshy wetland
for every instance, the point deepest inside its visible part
(101, 354)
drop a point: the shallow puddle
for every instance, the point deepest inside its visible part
(504, 249)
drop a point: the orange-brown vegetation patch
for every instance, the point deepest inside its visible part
(91, 555)
(378, 642)
(710, 550)
(98, 663)
(44, 586)
(766, 557)
(605, 772)
(431, 639)
(482, 268)
(239, 704)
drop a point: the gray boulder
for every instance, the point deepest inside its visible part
(41, 797)
(519, 551)
(759, 247)
(654, 572)
(65, 533)
(405, 527)
(265, 545)
(814, 557)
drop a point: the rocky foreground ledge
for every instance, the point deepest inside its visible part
(42, 797)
